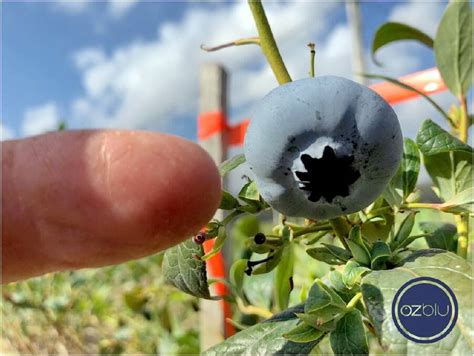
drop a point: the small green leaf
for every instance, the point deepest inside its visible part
(249, 192)
(184, 268)
(410, 166)
(432, 139)
(322, 254)
(303, 333)
(357, 246)
(314, 320)
(408, 87)
(337, 283)
(352, 273)
(462, 202)
(393, 31)
(404, 230)
(237, 275)
(283, 274)
(349, 338)
(453, 47)
(228, 202)
(321, 296)
(338, 252)
(218, 243)
(265, 338)
(451, 173)
(226, 166)
(380, 255)
(442, 235)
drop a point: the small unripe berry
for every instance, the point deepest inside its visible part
(259, 238)
(200, 238)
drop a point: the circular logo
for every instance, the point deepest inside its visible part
(424, 310)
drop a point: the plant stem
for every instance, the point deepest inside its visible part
(352, 303)
(239, 42)
(311, 229)
(341, 228)
(464, 123)
(267, 42)
(421, 206)
(462, 222)
(312, 54)
(251, 309)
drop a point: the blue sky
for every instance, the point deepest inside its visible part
(125, 64)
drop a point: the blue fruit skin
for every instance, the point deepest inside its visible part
(303, 117)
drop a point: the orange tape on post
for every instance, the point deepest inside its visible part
(427, 81)
(210, 123)
(216, 269)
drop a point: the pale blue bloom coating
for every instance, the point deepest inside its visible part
(305, 116)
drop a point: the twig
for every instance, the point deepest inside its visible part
(240, 42)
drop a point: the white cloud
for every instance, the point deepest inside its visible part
(40, 119)
(72, 7)
(118, 8)
(6, 133)
(115, 8)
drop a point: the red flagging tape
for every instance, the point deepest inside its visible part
(216, 269)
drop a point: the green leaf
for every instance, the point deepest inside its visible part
(380, 255)
(228, 202)
(249, 192)
(218, 243)
(404, 230)
(408, 87)
(335, 280)
(283, 274)
(442, 235)
(226, 166)
(315, 320)
(451, 173)
(379, 288)
(352, 273)
(324, 255)
(393, 31)
(404, 181)
(237, 275)
(338, 252)
(453, 47)
(447, 160)
(357, 246)
(303, 333)
(321, 296)
(349, 337)
(432, 139)
(183, 268)
(462, 202)
(410, 166)
(266, 338)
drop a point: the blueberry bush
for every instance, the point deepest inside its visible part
(328, 157)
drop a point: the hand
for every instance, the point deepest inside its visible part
(79, 199)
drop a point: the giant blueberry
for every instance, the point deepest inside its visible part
(322, 147)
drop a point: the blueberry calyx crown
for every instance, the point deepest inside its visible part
(328, 176)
